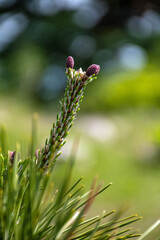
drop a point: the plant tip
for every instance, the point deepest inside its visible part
(70, 62)
(93, 69)
(11, 155)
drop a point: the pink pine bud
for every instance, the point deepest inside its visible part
(11, 156)
(37, 153)
(70, 62)
(93, 69)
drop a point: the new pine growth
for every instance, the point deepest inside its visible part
(70, 105)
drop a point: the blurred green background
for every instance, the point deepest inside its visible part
(119, 121)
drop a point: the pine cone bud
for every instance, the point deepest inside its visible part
(11, 156)
(70, 62)
(93, 69)
(37, 153)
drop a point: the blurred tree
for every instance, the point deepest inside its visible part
(37, 35)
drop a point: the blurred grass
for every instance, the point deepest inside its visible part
(122, 147)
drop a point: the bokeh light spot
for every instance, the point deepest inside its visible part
(83, 46)
(132, 57)
(10, 27)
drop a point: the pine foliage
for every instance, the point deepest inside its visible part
(31, 205)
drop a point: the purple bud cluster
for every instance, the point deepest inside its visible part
(93, 69)
(70, 62)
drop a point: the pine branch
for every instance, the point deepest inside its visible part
(76, 84)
